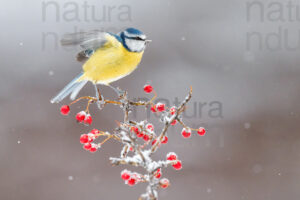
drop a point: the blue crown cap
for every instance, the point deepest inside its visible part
(134, 31)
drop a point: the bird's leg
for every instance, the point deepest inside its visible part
(99, 97)
(119, 92)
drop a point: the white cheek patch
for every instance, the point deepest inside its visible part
(135, 45)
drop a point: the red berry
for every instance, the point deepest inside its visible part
(93, 148)
(91, 137)
(158, 173)
(88, 119)
(165, 140)
(84, 138)
(148, 88)
(131, 149)
(174, 122)
(87, 146)
(80, 116)
(150, 127)
(140, 134)
(160, 107)
(125, 175)
(135, 129)
(146, 138)
(153, 108)
(95, 131)
(186, 133)
(178, 165)
(131, 181)
(173, 110)
(171, 156)
(164, 183)
(153, 142)
(64, 110)
(201, 131)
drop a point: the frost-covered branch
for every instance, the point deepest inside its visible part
(139, 138)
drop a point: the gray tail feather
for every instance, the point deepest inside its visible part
(73, 87)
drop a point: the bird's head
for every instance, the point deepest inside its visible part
(134, 40)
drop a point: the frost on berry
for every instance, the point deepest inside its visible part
(178, 165)
(186, 132)
(87, 146)
(164, 183)
(91, 137)
(165, 140)
(95, 131)
(172, 110)
(171, 156)
(80, 116)
(139, 138)
(150, 127)
(158, 173)
(88, 119)
(94, 148)
(174, 122)
(160, 107)
(125, 174)
(133, 179)
(201, 131)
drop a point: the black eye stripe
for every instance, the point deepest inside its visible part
(136, 38)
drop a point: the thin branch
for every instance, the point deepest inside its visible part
(167, 123)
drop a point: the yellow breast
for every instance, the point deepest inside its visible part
(110, 63)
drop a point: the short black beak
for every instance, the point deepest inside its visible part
(148, 41)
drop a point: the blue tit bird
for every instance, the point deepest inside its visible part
(107, 58)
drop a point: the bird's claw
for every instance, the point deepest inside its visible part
(120, 92)
(100, 102)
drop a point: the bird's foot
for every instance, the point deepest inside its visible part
(100, 99)
(100, 102)
(120, 92)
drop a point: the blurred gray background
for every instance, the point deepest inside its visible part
(241, 57)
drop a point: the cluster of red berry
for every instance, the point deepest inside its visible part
(164, 182)
(187, 132)
(164, 140)
(161, 107)
(87, 140)
(146, 135)
(133, 178)
(173, 157)
(143, 130)
(81, 117)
